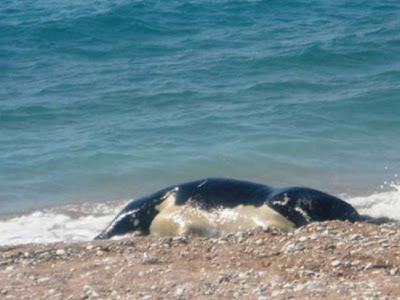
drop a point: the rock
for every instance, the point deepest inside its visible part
(336, 263)
(148, 259)
(394, 271)
(114, 294)
(299, 287)
(303, 239)
(90, 292)
(180, 239)
(355, 263)
(240, 236)
(179, 293)
(355, 237)
(52, 291)
(260, 242)
(208, 288)
(289, 247)
(9, 269)
(60, 252)
(288, 286)
(368, 266)
(4, 291)
(43, 280)
(275, 293)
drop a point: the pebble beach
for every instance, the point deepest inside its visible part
(330, 260)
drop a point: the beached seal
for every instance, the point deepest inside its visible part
(213, 206)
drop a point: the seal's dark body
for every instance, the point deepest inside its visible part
(297, 204)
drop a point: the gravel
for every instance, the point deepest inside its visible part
(321, 260)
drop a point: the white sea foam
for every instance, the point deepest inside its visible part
(40, 227)
(82, 222)
(383, 204)
(58, 224)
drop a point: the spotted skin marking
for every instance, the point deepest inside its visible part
(201, 184)
(285, 201)
(303, 213)
(120, 217)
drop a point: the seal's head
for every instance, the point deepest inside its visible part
(125, 222)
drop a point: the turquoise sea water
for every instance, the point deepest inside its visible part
(106, 100)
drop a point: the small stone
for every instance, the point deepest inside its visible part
(114, 293)
(4, 291)
(288, 286)
(309, 272)
(394, 271)
(52, 291)
(275, 293)
(303, 239)
(180, 239)
(315, 285)
(355, 263)
(290, 247)
(355, 237)
(45, 254)
(43, 280)
(147, 259)
(239, 234)
(347, 264)
(336, 263)
(340, 244)
(368, 266)
(179, 293)
(299, 287)
(60, 252)
(266, 229)
(260, 242)
(89, 247)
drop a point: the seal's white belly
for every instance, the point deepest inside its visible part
(174, 220)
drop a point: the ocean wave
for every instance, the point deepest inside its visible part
(382, 204)
(70, 223)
